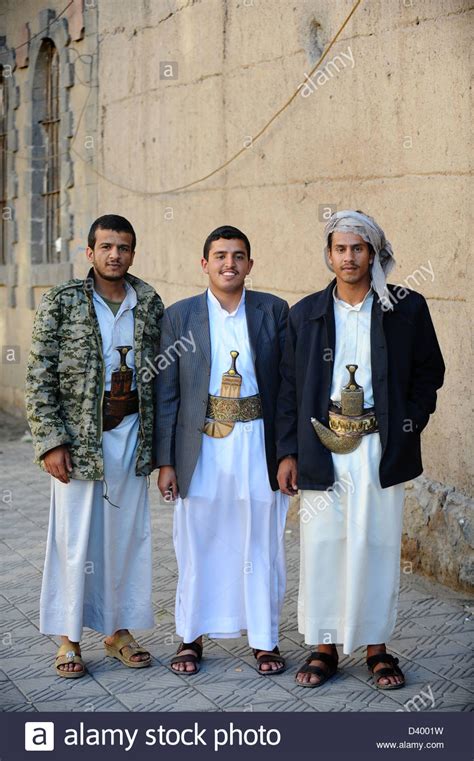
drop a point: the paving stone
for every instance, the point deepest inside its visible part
(432, 638)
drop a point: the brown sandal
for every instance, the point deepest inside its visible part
(392, 670)
(188, 658)
(275, 657)
(330, 661)
(67, 654)
(121, 645)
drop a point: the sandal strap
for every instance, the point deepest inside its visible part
(127, 640)
(373, 660)
(69, 656)
(307, 669)
(190, 646)
(272, 657)
(330, 660)
(387, 672)
(267, 658)
(189, 658)
(65, 650)
(123, 641)
(137, 650)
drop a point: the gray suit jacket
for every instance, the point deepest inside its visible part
(182, 385)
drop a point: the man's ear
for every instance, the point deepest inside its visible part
(89, 254)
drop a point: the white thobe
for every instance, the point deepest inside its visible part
(98, 570)
(229, 530)
(351, 535)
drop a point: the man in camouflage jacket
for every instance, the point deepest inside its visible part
(65, 385)
(77, 328)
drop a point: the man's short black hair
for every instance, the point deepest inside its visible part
(229, 233)
(111, 222)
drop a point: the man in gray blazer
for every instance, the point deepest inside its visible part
(215, 447)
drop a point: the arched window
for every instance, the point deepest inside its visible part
(4, 217)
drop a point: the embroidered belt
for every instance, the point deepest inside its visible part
(116, 408)
(225, 409)
(357, 425)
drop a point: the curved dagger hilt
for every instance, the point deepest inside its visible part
(123, 351)
(232, 375)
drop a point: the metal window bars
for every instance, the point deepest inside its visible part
(4, 217)
(52, 175)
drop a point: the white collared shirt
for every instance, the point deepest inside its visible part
(353, 345)
(116, 330)
(229, 332)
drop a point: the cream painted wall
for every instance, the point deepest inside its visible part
(388, 135)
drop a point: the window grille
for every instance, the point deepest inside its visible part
(51, 180)
(4, 217)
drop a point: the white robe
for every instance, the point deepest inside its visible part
(351, 536)
(98, 570)
(229, 530)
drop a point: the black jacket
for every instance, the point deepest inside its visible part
(407, 370)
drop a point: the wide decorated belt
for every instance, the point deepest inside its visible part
(348, 420)
(357, 425)
(225, 409)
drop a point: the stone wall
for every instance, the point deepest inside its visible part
(162, 92)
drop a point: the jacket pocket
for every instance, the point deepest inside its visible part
(75, 345)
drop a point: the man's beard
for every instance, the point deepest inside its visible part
(110, 276)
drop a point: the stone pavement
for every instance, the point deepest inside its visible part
(432, 637)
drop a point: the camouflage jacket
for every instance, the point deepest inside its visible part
(65, 375)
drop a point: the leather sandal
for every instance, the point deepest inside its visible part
(331, 661)
(392, 670)
(119, 650)
(275, 657)
(194, 658)
(66, 654)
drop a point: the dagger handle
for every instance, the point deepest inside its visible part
(233, 368)
(123, 351)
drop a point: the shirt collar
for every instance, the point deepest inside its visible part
(356, 307)
(130, 300)
(214, 302)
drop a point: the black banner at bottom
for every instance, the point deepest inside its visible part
(325, 736)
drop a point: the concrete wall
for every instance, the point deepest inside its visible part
(387, 133)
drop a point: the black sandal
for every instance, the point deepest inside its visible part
(268, 658)
(392, 670)
(188, 658)
(331, 662)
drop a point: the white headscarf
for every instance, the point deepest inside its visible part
(349, 221)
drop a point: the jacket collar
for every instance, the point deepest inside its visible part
(323, 302)
(254, 314)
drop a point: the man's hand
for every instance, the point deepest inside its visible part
(287, 476)
(167, 483)
(58, 463)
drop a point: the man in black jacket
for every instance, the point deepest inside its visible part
(350, 443)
